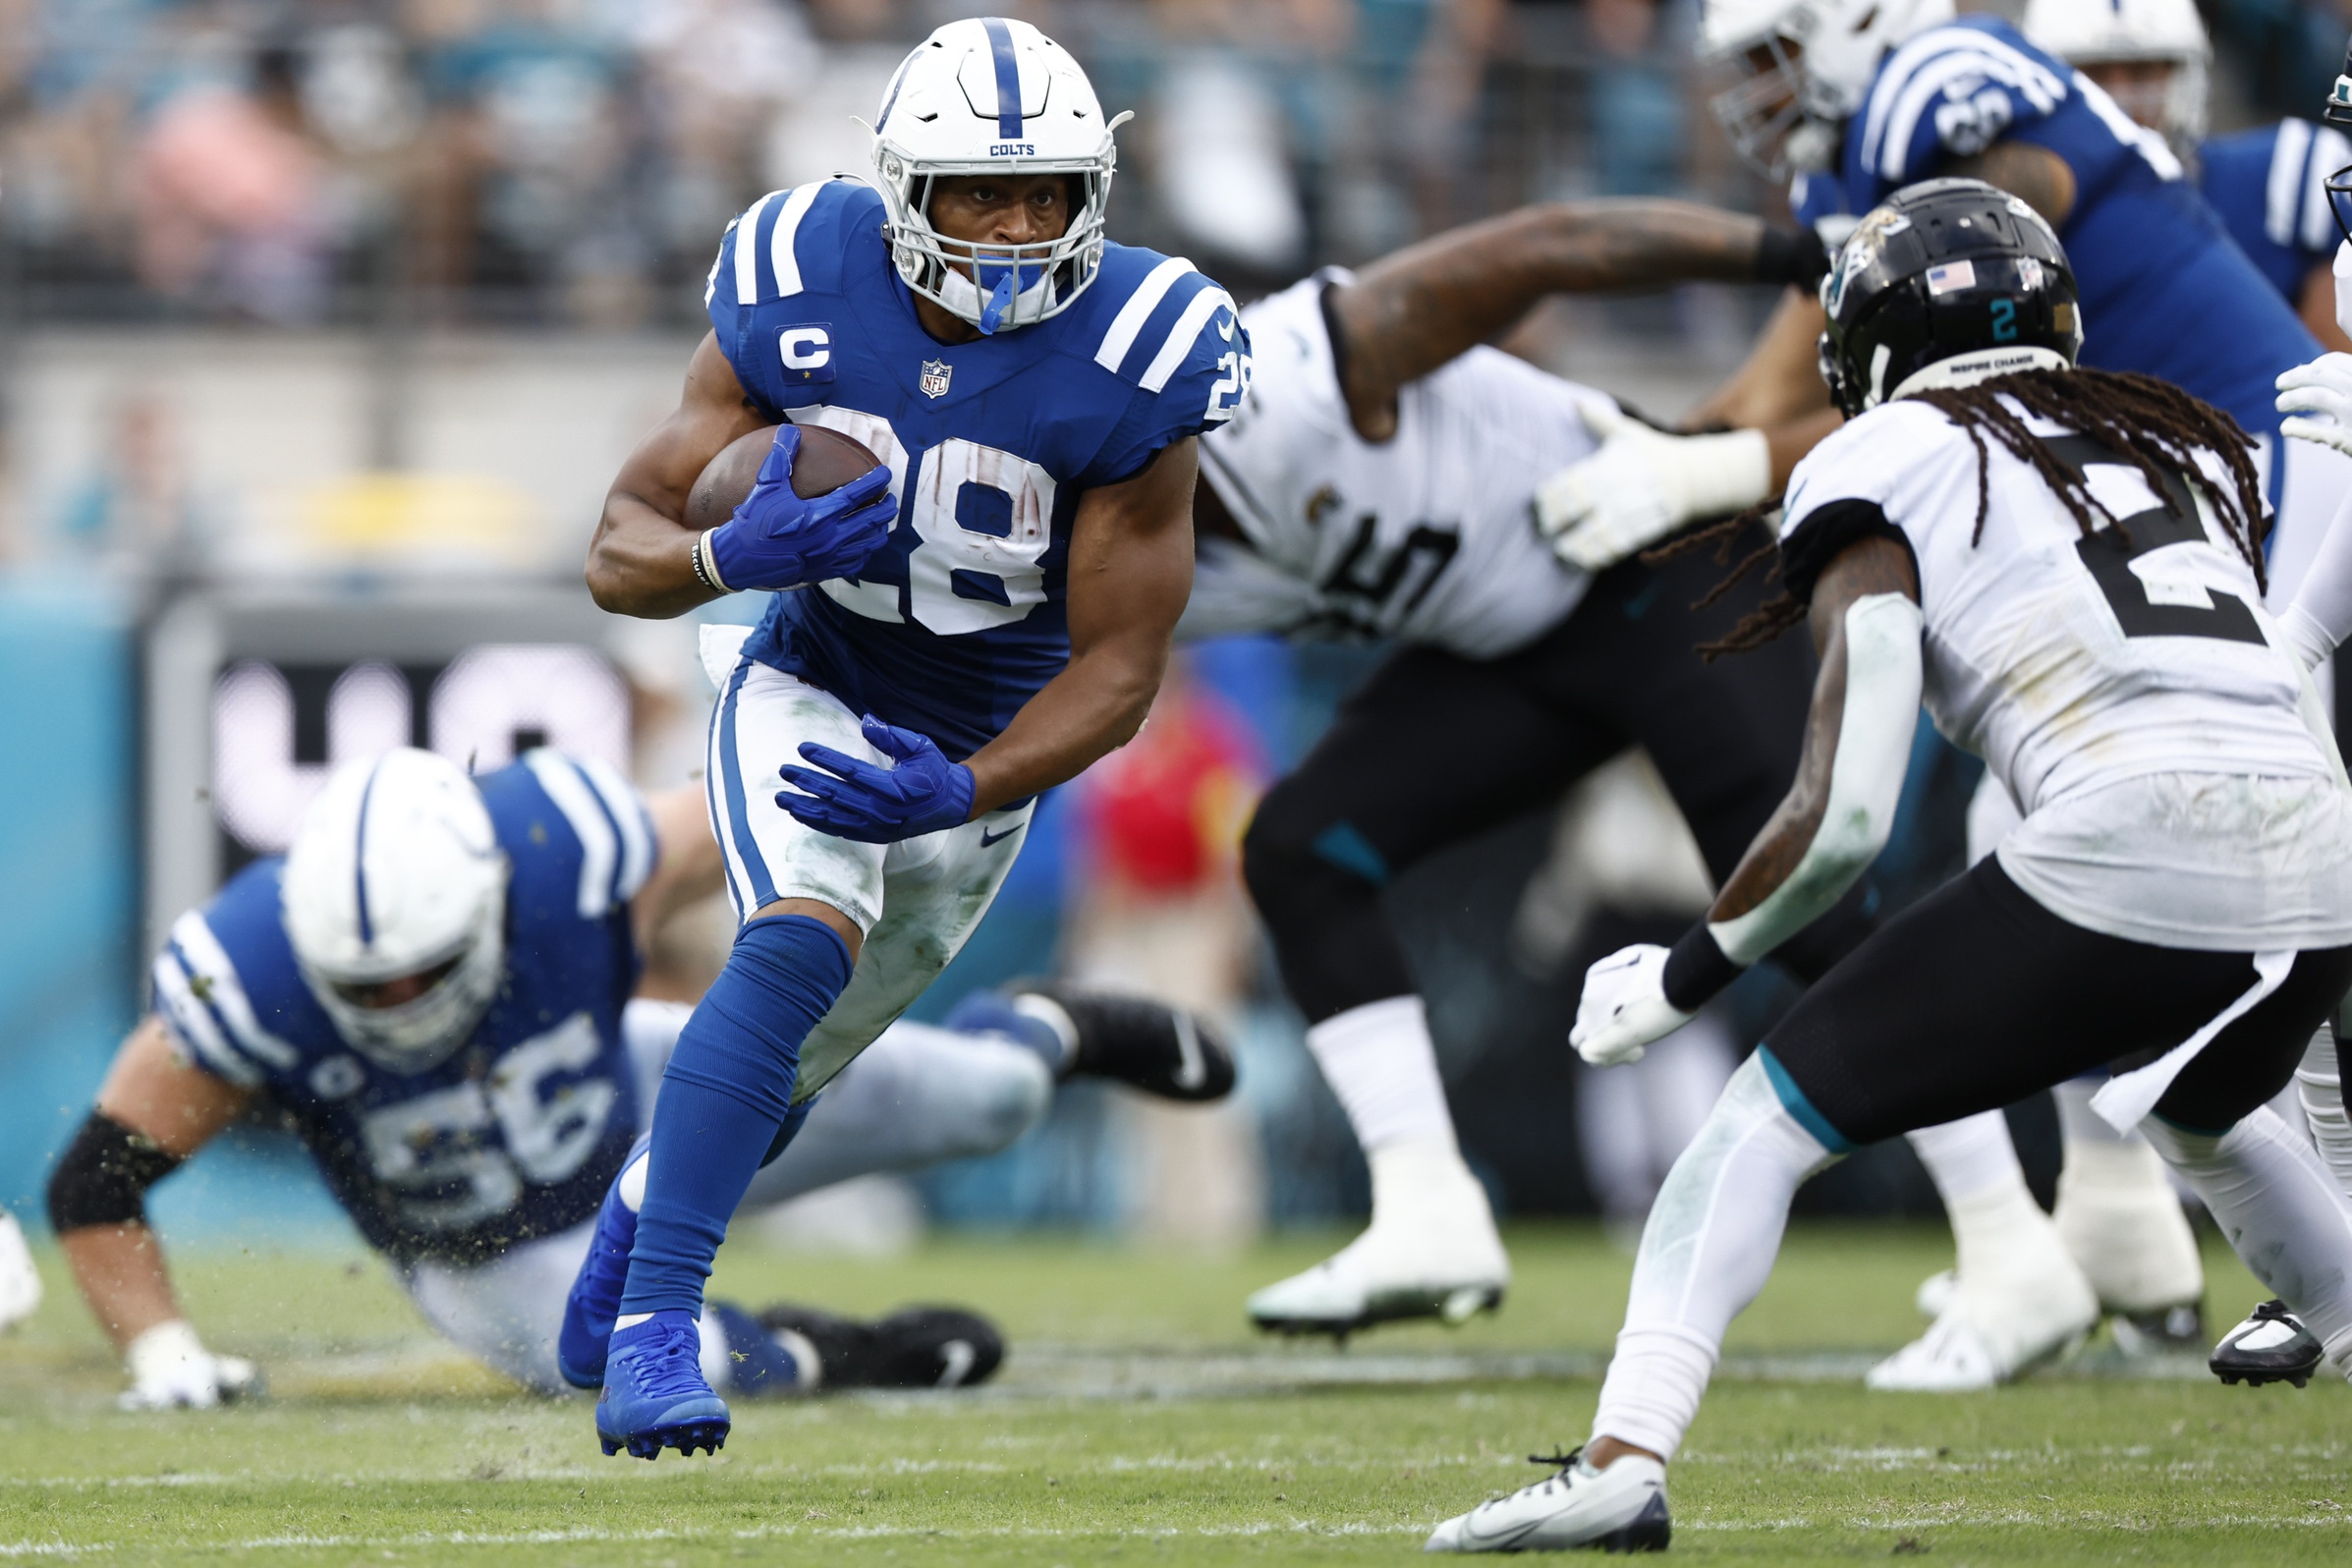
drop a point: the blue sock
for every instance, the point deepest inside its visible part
(726, 1098)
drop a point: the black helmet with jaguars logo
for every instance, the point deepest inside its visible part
(1942, 271)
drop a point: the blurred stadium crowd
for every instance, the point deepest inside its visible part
(522, 176)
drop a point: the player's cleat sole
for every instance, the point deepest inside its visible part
(2272, 1346)
(654, 1393)
(1158, 1049)
(1452, 1306)
(1620, 1509)
(687, 1436)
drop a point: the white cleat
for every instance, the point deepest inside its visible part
(1431, 1250)
(1935, 1295)
(20, 1281)
(2122, 1225)
(1622, 1509)
(1989, 1336)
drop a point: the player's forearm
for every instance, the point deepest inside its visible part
(1411, 313)
(121, 1273)
(1841, 808)
(1094, 706)
(642, 563)
(1780, 383)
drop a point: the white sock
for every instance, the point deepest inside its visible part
(2119, 1212)
(1969, 1156)
(1706, 1250)
(2078, 1122)
(2320, 1084)
(2281, 1211)
(1380, 1060)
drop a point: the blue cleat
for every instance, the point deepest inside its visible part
(594, 1300)
(654, 1395)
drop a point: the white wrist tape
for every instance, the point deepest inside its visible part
(1726, 472)
(1866, 778)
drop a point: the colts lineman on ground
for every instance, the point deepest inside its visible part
(1377, 481)
(978, 621)
(2062, 563)
(435, 988)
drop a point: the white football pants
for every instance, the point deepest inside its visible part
(915, 1096)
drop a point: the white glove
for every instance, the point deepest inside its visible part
(2320, 397)
(2343, 270)
(170, 1367)
(1624, 1007)
(1643, 484)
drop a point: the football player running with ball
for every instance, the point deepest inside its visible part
(975, 619)
(2062, 563)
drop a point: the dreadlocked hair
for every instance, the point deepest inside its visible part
(1767, 620)
(2152, 424)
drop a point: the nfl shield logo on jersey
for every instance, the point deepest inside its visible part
(934, 377)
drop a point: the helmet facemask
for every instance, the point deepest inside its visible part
(1763, 114)
(425, 1031)
(993, 286)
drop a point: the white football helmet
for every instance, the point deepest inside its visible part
(1819, 57)
(990, 95)
(396, 871)
(2118, 32)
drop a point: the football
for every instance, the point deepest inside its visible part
(827, 461)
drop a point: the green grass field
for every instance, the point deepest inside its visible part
(1139, 1420)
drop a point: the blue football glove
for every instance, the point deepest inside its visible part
(777, 540)
(851, 799)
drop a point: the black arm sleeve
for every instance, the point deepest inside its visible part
(1806, 553)
(1794, 256)
(104, 1176)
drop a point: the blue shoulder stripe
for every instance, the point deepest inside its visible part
(199, 992)
(616, 844)
(2295, 209)
(1917, 73)
(1129, 323)
(765, 256)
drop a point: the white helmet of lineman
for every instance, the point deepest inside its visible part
(1810, 64)
(2166, 33)
(991, 95)
(396, 872)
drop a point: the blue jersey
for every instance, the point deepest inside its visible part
(2269, 187)
(2164, 290)
(958, 619)
(515, 1135)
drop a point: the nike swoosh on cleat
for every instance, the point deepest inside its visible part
(1190, 1070)
(988, 838)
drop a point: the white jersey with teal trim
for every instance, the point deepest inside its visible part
(2127, 688)
(1427, 537)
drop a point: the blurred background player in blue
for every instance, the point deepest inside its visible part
(435, 988)
(983, 616)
